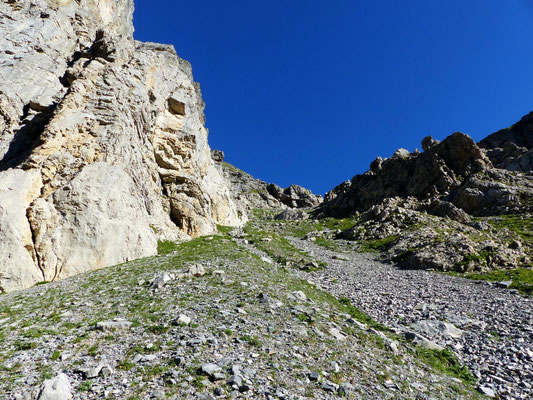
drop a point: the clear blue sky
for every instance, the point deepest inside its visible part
(310, 92)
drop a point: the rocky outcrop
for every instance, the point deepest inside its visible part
(294, 196)
(103, 148)
(480, 179)
(512, 148)
(439, 209)
(437, 171)
(249, 193)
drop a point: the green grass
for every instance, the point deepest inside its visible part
(93, 350)
(346, 305)
(85, 386)
(158, 329)
(251, 340)
(378, 245)
(224, 229)
(166, 247)
(55, 355)
(445, 361)
(280, 249)
(522, 278)
(342, 224)
(520, 225)
(480, 259)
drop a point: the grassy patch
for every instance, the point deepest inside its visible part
(378, 245)
(481, 258)
(522, 278)
(85, 386)
(281, 250)
(166, 247)
(346, 305)
(341, 224)
(520, 225)
(224, 229)
(445, 361)
(251, 340)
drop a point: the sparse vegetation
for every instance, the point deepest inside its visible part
(522, 278)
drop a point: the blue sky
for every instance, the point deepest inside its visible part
(310, 92)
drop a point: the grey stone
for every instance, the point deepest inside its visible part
(57, 388)
(117, 324)
(108, 157)
(210, 369)
(421, 341)
(487, 391)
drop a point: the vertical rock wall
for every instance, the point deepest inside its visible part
(103, 148)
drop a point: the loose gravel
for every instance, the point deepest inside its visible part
(497, 324)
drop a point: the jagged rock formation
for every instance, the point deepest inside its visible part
(457, 181)
(103, 148)
(248, 192)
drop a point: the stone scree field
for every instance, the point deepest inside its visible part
(261, 314)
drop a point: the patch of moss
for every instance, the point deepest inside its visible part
(482, 258)
(378, 245)
(520, 225)
(224, 229)
(341, 224)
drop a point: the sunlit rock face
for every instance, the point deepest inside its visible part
(103, 148)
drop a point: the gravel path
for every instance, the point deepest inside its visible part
(497, 342)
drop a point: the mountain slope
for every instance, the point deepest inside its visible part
(457, 205)
(209, 318)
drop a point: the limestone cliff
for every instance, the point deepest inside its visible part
(103, 148)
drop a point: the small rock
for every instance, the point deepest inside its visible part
(183, 320)
(345, 388)
(161, 280)
(422, 341)
(102, 368)
(114, 325)
(360, 325)
(196, 270)
(336, 334)
(211, 369)
(57, 388)
(328, 387)
(504, 284)
(235, 380)
(314, 376)
(487, 391)
(300, 295)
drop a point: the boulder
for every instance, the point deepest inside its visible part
(57, 388)
(291, 214)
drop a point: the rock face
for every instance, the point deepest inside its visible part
(103, 148)
(248, 192)
(481, 179)
(456, 206)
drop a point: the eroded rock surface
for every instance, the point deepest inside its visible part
(457, 205)
(249, 193)
(103, 148)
